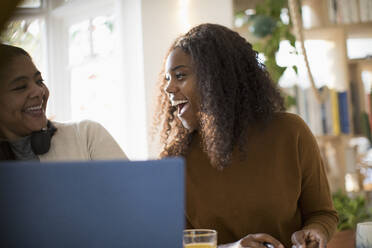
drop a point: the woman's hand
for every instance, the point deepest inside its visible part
(259, 240)
(309, 238)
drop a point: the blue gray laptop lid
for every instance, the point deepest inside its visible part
(92, 204)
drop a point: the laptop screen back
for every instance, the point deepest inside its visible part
(92, 204)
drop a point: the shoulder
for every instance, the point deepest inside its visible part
(85, 130)
(286, 127)
(64, 127)
(287, 119)
(288, 123)
(80, 126)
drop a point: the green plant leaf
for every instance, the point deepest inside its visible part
(267, 23)
(350, 210)
(289, 101)
(295, 69)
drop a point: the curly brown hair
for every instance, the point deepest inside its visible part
(236, 91)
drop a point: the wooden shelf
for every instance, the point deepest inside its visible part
(329, 137)
(367, 60)
(360, 30)
(344, 25)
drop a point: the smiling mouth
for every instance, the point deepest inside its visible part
(35, 110)
(180, 104)
(180, 107)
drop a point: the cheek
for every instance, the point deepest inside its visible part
(10, 105)
(193, 93)
(46, 95)
(195, 102)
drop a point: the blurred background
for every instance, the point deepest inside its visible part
(101, 60)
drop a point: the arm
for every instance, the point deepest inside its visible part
(319, 216)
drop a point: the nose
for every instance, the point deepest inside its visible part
(171, 87)
(37, 91)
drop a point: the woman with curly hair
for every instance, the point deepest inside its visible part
(254, 173)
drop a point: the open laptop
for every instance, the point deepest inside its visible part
(92, 204)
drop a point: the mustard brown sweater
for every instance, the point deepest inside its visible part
(280, 188)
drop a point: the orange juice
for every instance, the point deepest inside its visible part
(200, 245)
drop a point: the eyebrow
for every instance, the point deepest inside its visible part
(20, 78)
(17, 79)
(177, 67)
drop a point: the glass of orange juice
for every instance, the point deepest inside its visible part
(199, 238)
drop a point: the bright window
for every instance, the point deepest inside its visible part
(359, 48)
(96, 88)
(28, 34)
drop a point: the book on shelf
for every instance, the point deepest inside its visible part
(327, 117)
(365, 125)
(343, 112)
(349, 11)
(301, 103)
(361, 105)
(345, 12)
(332, 10)
(335, 112)
(330, 117)
(354, 11)
(365, 10)
(314, 110)
(356, 108)
(369, 109)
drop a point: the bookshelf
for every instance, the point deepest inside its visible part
(339, 12)
(336, 22)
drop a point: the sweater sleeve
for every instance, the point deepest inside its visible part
(100, 144)
(315, 200)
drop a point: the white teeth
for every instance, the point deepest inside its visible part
(178, 102)
(35, 108)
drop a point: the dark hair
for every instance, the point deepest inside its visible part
(7, 53)
(235, 88)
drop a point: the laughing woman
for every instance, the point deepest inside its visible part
(25, 131)
(254, 172)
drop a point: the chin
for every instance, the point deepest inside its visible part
(38, 126)
(189, 126)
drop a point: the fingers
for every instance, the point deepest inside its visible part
(268, 245)
(253, 244)
(299, 239)
(310, 238)
(321, 240)
(260, 239)
(263, 237)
